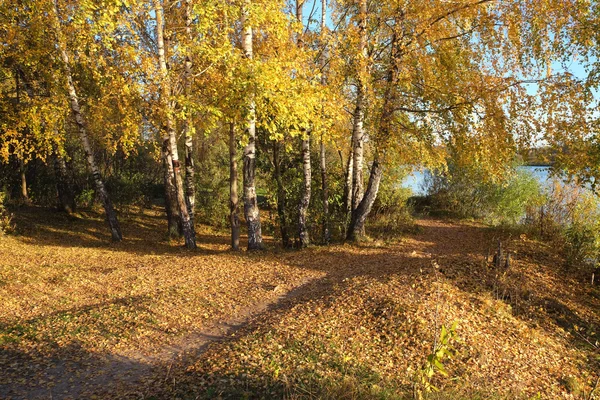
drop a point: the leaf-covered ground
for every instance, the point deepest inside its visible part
(80, 317)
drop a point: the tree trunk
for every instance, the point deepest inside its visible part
(281, 213)
(357, 190)
(359, 111)
(303, 234)
(23, 170)
(323, 154)
(325, 187)
(66, 198)
(348, 168)
(233, 191)
(251, 211)
(359, 215)
(186, 224)
(175, 229)
(111, 216)
(190, 190)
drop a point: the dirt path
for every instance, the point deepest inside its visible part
(127, 373)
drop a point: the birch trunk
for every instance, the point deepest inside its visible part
(323, 154)
(359, 111)
(175, 228)
(186, 224)
(111, 216)
(325, 188)
(233, 191)
(251, 211)
(190, 190)
(348, 189)
(359, 215)
(303, 234)
(22, 171)
(281, 212)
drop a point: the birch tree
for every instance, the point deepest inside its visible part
(303, 234)
(111, 215)
(251, 211)
(165, 95)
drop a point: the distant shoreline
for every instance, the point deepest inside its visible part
(537, 165)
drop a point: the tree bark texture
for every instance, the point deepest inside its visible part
(186, 224)
(190, 190)
(175, 229)
(359, 215)
(281, 198)
(251, 211)
(325, 188)
(111, 215)
(348, 189)
(303, 234)
(322, 153)
(233, 191)
(359, 111)
(23, 172)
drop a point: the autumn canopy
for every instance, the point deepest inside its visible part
(318, 102)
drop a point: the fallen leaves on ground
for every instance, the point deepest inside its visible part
(362, 326)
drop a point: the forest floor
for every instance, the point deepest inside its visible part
(81, 317)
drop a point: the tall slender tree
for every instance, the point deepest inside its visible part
(233, 190)
(358, 133)
(174, 227)
(303, 234)
(111, 215)
(322, 149)
(251, 211)
(165, 95)
(190, 190)
(281, 196)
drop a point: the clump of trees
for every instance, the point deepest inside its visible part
(309, 103)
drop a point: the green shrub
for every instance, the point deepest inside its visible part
(469, 194)
(129, 190)
(212, 187)
(508, 204)
(581, 243)
(6, 224)
(86, 198)
(581, 230)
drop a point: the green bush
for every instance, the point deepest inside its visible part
(468, 194)
(212, 187)
(131, 189)
(86, 198)
(508, 204)
(581, 243)
(579, 219)
(6, 224)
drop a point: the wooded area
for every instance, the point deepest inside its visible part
(352, 91)
(291, 124)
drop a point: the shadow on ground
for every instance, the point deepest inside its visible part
(459, 250)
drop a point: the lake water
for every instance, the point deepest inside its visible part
(416, 180)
